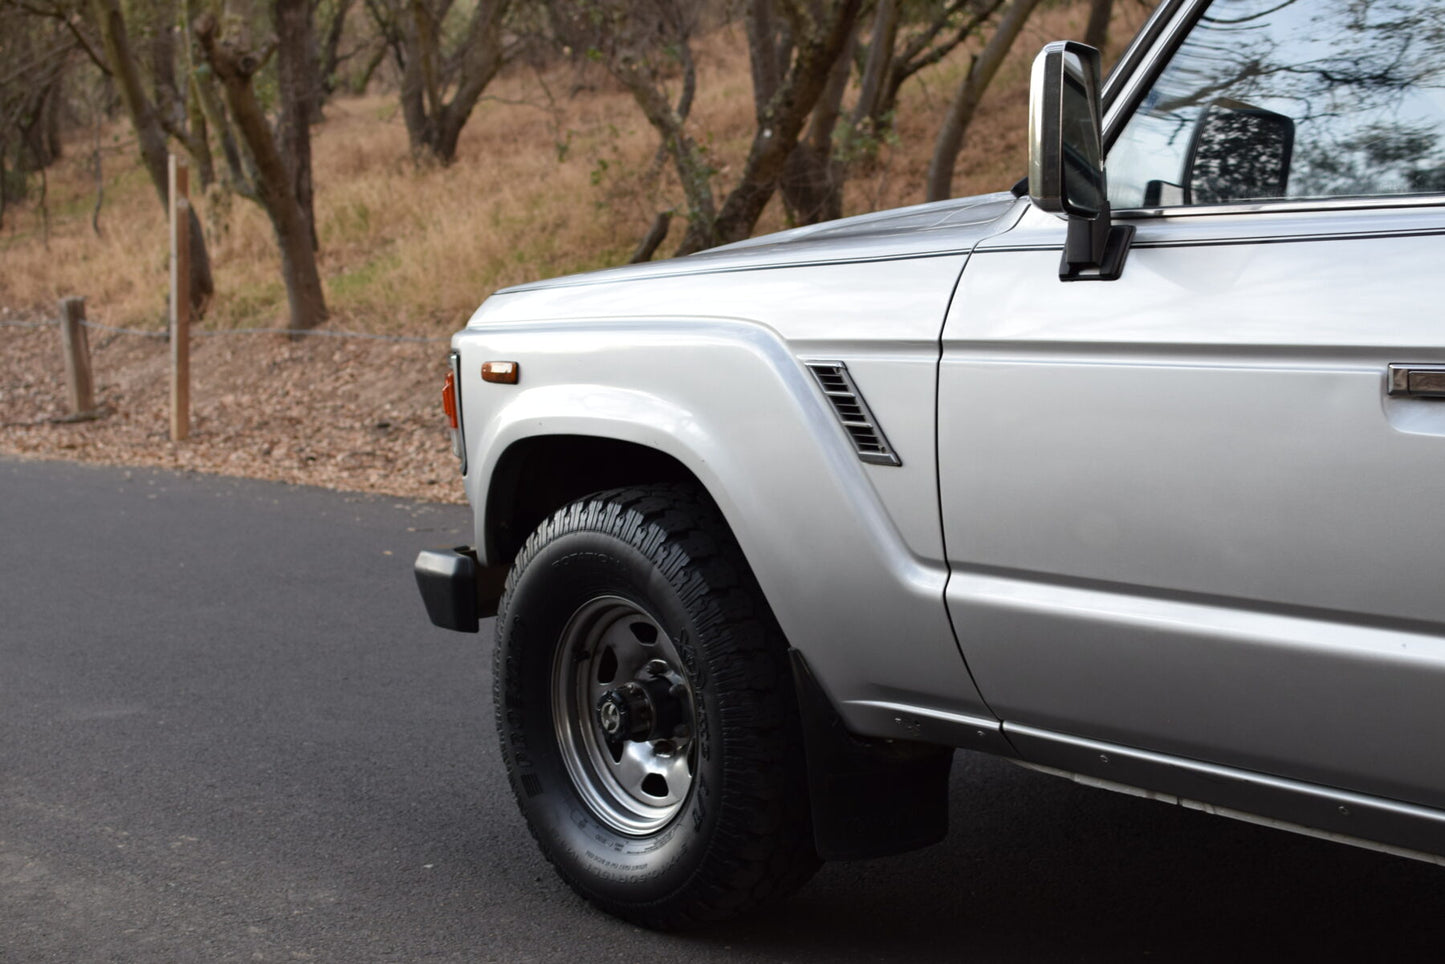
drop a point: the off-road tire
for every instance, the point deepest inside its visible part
(733, 830)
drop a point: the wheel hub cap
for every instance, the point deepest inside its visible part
(624, 716)
(625, 713)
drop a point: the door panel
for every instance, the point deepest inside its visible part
(1182, 513)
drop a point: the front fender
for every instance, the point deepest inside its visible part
(729, 401)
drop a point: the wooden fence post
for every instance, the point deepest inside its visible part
(77, 357)
(180, 299)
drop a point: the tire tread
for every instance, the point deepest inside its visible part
(763, 848)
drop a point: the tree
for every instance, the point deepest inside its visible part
(119, 58)
(36, 55)
(430, 68)
(903, 39)
(298, 94)
(1096, 34)
(900, 44)
(793, 47)
(329, 18)
(643, 45)
(277, 179)
(154, 29)
(970, 92)
(793, 58)
(25, 54)
(812, 182)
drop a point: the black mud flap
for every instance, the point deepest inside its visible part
(870, 798)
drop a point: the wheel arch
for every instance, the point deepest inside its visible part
(539, 474)
(536, 475)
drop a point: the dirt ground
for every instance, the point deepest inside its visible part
(350, 414)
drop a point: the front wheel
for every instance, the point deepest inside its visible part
(646, 711)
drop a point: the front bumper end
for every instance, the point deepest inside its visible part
(458, 591)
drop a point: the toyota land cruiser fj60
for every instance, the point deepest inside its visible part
(1138, 480)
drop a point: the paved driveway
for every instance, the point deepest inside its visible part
(227, 733)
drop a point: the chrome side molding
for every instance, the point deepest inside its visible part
(1377, 823)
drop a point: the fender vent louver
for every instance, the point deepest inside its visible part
(858, 421)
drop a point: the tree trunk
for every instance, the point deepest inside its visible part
(363, 80)
(328, 52)
(235, 68)
(651, 241)
(239, 177)
(687, 157)
(925, 50)
(812, 184)
(147, 123)
(1096, 34)
(876, 67)
(808, 186)
(4, 182)
(198, 134)
(763, 54)
(433, 123)
(199, 145)
(970, 92)
(50, 124)
(151, 136)
(781, 121)
(296, 89)
(482, 58)
(413, 107)
(31, 124)
(426, 54)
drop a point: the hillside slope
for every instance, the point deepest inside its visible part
(554, 176)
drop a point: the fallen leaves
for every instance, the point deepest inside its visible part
(354, 415)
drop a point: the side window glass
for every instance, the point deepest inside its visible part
(1291, 99)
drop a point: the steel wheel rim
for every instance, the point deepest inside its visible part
(634, 785)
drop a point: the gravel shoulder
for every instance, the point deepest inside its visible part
(348, 414)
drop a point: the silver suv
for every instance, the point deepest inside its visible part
(1137, 479)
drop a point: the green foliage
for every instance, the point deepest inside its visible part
(454, 23)
(253, 305)
(599, 171)
(861, 144)
(348, 223)
(359, 284)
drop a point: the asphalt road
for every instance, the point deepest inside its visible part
(228, 733)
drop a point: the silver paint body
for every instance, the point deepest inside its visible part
(1169, 531)
(1210, 532)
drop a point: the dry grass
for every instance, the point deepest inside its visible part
(543, 186)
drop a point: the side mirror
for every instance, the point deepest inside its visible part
(1239, 153)
(1066, 160)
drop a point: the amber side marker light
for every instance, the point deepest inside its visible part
(501, 372)
(449, 400)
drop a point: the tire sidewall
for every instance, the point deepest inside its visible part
(565, 574)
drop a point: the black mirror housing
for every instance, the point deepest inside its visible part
(1066, 160)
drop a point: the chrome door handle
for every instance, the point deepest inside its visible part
(1418, 381)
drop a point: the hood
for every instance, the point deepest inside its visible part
(942, 227)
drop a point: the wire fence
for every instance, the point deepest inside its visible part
(208, 333)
